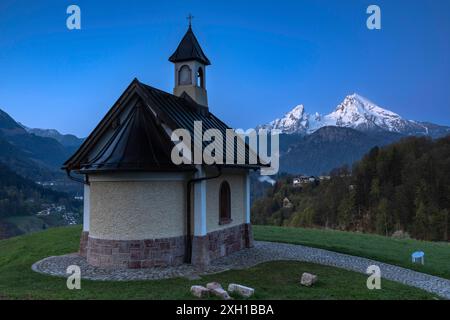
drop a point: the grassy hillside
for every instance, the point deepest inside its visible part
(384, 249)
(274, 280)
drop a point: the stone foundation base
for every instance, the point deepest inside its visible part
(164, 252)
(135, 254)
(84, 243)
(221, 243)
(249, 241)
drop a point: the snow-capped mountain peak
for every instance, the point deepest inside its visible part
(297, 112)
(292, 122)
(356, 112)
(360, 113)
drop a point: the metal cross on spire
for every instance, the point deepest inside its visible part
(190, 17)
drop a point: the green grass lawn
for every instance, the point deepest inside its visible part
(273, 280)
(26, 223)
(384, 249)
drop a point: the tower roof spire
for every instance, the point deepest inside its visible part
(189, 48)
(190, 17)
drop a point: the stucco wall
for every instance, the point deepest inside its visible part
(136, 210)
(237, 187)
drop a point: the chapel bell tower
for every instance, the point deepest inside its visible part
(190, 68)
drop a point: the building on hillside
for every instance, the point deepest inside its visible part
(304, 180)
(287, 203)
(140, 209)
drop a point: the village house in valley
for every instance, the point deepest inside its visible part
(304, 180)
(140, 209)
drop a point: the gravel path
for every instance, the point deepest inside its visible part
(57, 266)
(262, 252)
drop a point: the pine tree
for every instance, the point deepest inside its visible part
(347, 211)
(421, 222)
(383, 217)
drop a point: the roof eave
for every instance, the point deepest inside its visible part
(109, 170)
(176, 60)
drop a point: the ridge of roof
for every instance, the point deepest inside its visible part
(160, 106)
(139, 143)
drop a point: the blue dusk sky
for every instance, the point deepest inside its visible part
(267, 57)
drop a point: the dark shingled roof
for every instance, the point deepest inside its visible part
(137, 144)
(140, 142)
(189, 49)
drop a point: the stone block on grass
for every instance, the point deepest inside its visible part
(200, 291)
(241, 290)
(221, 293)
(213, 285)
(308, 279)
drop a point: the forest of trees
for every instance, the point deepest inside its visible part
(20, 196)
(401, 188)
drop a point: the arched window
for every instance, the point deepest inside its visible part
(200, 78)
(184, 76)
(224, 203)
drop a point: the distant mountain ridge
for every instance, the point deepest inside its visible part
(28, 162)
(8, 125)
(358, 113)
(67, 140)
(36, 154)
(315, 144)
(328, 148)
